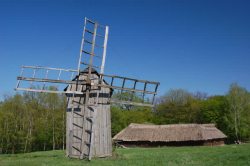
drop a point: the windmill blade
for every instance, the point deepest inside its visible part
(46, 79)
(130, 91)
(93, 46)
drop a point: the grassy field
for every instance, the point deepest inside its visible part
(225, 155)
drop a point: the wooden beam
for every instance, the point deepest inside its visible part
(132, 79)
(79, 82)
(131, 103)
(49, 91)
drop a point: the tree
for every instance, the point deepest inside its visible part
(213, 109)
(177, 106)
(239, 101)
(32, 121)
(121, 118)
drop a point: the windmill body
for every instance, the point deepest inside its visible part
(88, 125)
(89, 92)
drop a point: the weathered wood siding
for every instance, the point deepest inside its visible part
(102, 145)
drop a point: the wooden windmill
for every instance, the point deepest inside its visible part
(89, 91)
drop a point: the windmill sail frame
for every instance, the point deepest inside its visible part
(113, 78)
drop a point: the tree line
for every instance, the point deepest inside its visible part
(32, 122)
(36, 121)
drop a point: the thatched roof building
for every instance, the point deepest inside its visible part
(167, 135)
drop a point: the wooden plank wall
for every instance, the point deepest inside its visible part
(102, 124)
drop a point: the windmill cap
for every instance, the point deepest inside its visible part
(86, 70)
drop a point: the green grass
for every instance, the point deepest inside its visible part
(225, 155)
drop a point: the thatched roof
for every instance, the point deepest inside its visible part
(169, 133)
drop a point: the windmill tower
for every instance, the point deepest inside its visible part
(89, 91)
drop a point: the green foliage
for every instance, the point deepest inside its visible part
(239, 112)
(121, 118)
(177, 106)
(126, 96)
(213, 109)
(32, 121)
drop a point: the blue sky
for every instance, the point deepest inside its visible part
(195, 45)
